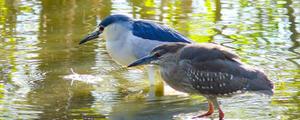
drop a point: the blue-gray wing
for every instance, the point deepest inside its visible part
(153, 31)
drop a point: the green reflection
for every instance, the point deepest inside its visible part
(1, 92)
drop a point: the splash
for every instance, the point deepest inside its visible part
(90, 79)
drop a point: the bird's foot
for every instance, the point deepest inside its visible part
(203, 115)
(208, 113)
(221, 114)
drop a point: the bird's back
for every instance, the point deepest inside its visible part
(152, 31)
(148, 35)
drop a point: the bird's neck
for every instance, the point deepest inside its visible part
(117, 43)
(169, 64)
(116, 32)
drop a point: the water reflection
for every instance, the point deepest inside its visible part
(19, 59)
(39, 46)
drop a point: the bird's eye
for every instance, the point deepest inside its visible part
(101, 28)
(157, 54)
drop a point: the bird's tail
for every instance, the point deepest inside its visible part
(261, 84)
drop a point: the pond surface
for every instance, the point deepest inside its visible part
(45, 74)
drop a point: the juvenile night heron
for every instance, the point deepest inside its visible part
(128, 40)
(206, 69)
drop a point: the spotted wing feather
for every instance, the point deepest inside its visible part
(216, 84)
(216, 71)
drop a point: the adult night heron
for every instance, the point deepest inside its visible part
(128, 40)
(206, 69)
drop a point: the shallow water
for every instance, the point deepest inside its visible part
(39, 47)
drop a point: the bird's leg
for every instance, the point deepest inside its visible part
(151, 75)
(209, 112)
(221, 114)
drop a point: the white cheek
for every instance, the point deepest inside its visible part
(155, 62)
(101, 35)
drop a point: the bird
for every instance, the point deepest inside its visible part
(129, 39)
(206, 69)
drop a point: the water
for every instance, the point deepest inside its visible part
(39, 47)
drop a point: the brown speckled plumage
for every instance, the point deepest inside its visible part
(209, 70)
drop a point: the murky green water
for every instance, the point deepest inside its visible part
(39, 47)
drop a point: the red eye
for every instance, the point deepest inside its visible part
(157, 54)
(101, 28)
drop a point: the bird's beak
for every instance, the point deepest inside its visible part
(91, 36)
(143, 61)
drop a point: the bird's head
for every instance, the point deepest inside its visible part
(104, 23)
(160, 55)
